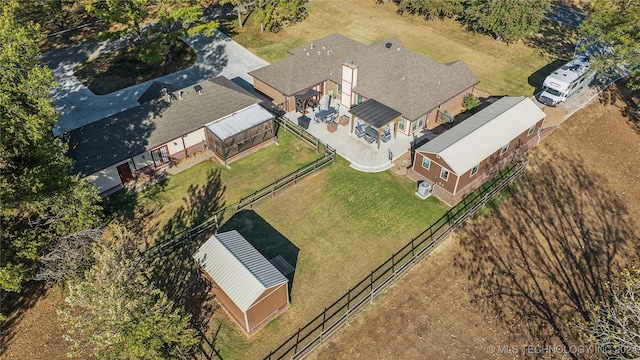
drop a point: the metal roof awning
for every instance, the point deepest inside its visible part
(307, 94)
(240, 121)
(374, 113)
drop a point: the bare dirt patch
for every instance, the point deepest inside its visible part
(520, 275)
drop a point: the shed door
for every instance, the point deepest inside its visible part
(124, 171)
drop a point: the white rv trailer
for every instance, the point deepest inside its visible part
(566, 80)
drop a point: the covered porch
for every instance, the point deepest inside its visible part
(372, 120)
(363, 156)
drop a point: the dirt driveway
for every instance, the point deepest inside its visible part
(510, 284)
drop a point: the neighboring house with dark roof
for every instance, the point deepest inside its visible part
(169, 126)
(464, 157)
(247, 286)
(411, 84)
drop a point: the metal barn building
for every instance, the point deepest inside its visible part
(250, 289)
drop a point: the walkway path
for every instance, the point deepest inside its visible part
(217, 55)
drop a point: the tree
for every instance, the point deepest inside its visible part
(115, 312)
(68, 258)
(240, 6)
(615, 25)
(40, 201)
(431, 9)
(275, 14)
(171, 20)
(615, 325)
(58, 12)
(508, 20)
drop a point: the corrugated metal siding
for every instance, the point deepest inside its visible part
(238, 268)
(476, 138)
(239, 121)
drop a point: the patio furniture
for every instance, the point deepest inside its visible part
(386, 134)
(304, 121)
(332, 126)
(360, 128)
(370, 135)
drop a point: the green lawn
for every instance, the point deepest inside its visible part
(196, 194)
(503, 69)
(335, 227)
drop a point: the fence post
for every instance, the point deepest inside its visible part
(295, 350)
(324, 320)
(371, 281)
(413, 251)
(348, 303)
(295, 177)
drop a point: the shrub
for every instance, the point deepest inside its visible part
(470, 102)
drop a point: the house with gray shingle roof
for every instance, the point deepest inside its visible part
(418, 88)
(169, 125)
(247, 286)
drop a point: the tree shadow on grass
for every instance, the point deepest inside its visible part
(553, 39)
(135, 210)
(546, 254)
(174, 269)
(14, 307)
(261, 235)
(537, 78)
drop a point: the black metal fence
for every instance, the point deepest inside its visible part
(328, 156)
(325, 324)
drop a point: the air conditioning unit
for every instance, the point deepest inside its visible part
(424, 190)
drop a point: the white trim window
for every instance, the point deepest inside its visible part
(474, 170)
(426, 163)
(504, 149)
(160, 156)
(531, 130)
(402, 123)
(444, 174)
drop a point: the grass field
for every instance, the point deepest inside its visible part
(503, 69)
(193, 195)
(335, 227)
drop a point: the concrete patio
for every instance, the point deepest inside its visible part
(362, 155)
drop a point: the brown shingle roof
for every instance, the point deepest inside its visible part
(393, 75)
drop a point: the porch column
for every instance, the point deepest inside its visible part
(352, 122)
(395, 127)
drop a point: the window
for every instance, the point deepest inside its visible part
(359, 100)
(421, 121)
(160, 156)
(426, 163)
(531, 130)
(474, 170)
(414, 126)
(444, 174)
(339, 89)
(504, 149)
(401, 124)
